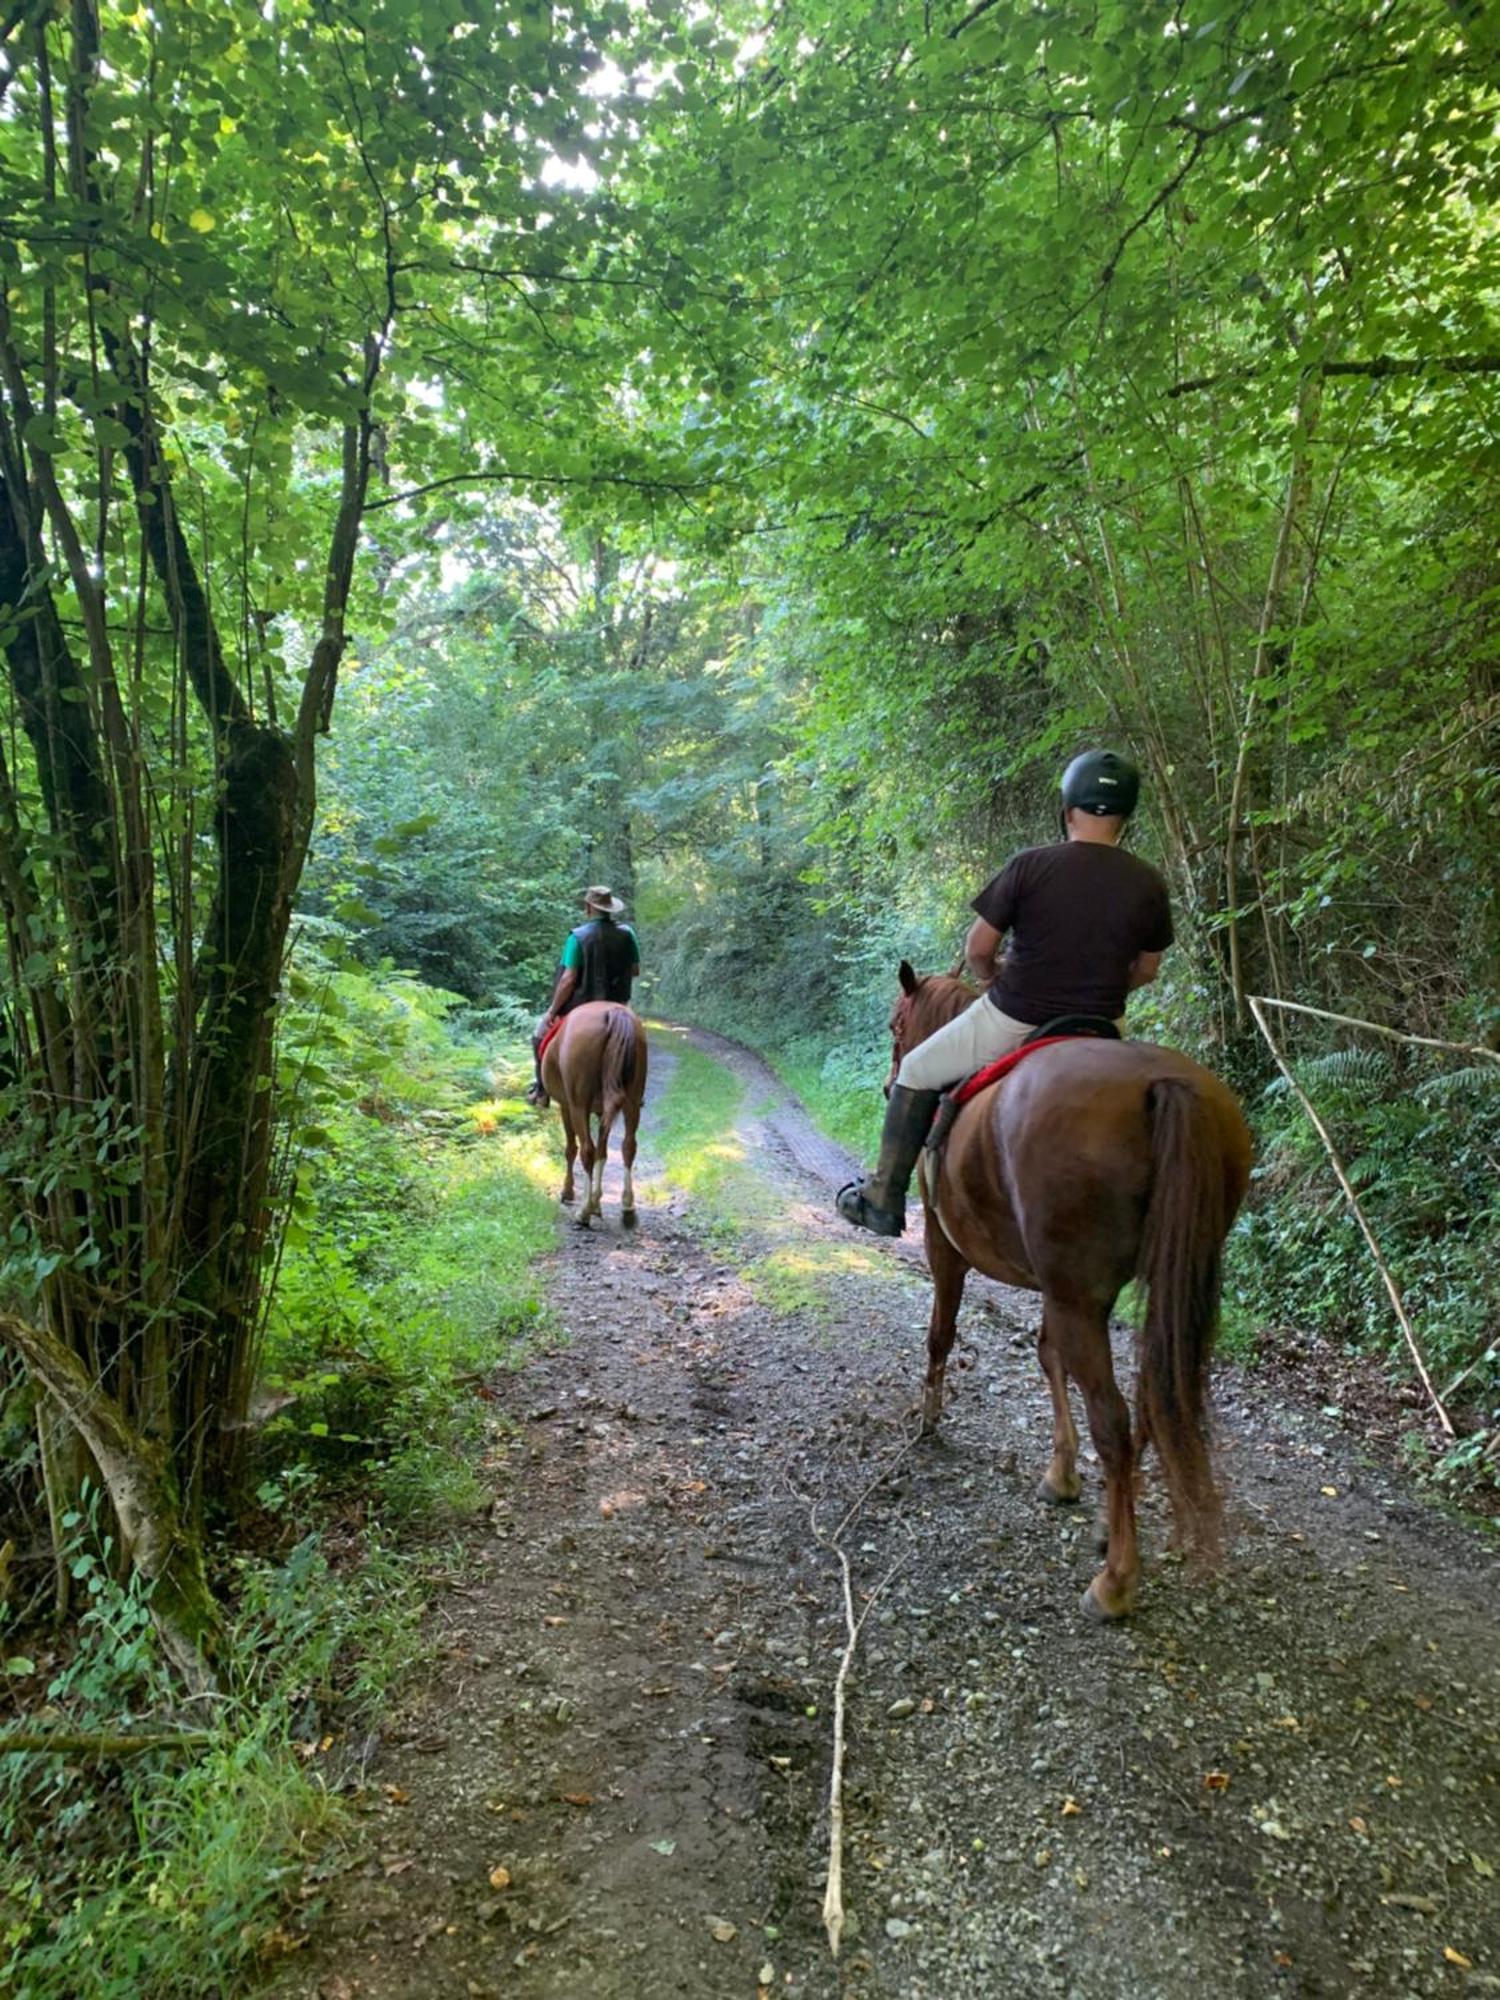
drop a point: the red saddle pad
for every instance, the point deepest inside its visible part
(992, 1072)
(550, 1037)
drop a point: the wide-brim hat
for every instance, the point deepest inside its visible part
(603, 902)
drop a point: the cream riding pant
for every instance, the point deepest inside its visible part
(980, 1035)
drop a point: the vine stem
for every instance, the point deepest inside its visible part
(1255, 1005)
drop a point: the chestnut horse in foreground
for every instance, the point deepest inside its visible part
(1093, 1163)
(594, 1068)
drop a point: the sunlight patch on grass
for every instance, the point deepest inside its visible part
(695, 1138)
(815, 1279)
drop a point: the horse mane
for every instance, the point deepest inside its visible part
(936, 999)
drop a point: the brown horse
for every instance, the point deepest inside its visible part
(1093, 1163)
(595, 1068)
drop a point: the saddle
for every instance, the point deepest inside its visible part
(1066, 1028)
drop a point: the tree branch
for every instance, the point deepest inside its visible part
(1376, 366)
(681, 489)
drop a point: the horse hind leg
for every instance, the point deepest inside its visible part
(627, 1161)
(588, 1155)
(1060, 1482)
(1081, 1337)
(601, 1157)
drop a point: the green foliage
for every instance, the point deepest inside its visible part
(1420, 1149)
(840, 1087)
(420, 1222)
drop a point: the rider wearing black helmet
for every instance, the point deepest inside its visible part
(1087, 923)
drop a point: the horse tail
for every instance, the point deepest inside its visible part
(622, 1054)
(1181, 1255)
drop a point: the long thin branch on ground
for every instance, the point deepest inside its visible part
(854, 1622)
(1255, 1005)
(73, 1743)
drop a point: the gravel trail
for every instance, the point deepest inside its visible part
(1283, 1779)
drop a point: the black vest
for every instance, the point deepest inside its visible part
(607, 967)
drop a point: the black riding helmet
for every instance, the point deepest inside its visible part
(1101, 782)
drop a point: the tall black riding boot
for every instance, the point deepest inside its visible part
(536, 1091)
(878, 1202)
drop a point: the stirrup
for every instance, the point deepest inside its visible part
(853, 1206)
(536, 1094)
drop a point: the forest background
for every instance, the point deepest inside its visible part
(445, 461)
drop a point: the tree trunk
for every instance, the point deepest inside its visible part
(137, 1474)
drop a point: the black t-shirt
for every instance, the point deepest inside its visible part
(1078, 912)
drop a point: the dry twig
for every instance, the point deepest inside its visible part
(1374, 1028)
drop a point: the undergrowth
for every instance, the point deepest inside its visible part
(411, 1268)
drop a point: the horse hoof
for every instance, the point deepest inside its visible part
(567, 1197)
(1068, 1497)
(582, 1219)
(627, 1218)
(1106, 1606)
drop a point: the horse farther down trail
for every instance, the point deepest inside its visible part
(1095, 1163)
(595, 1069)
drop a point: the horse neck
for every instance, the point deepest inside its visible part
(939, 1000)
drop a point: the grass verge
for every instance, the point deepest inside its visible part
(695, 1136)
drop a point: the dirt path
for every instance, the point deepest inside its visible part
(1281, 1781)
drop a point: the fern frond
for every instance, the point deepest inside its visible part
(1363, 1073)
(1467, 1085)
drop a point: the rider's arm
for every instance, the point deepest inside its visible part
(980, 946)
(994, 914)
(567, 979)
(1153, 937)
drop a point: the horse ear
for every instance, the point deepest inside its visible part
(909, 980)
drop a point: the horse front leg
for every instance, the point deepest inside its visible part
(948, 1270)
(1060, 1482)
(1081, 1336)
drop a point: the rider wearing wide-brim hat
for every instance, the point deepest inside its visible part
(1087, 923)
(600, 959)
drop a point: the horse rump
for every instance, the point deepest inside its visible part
(1181, 1263)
